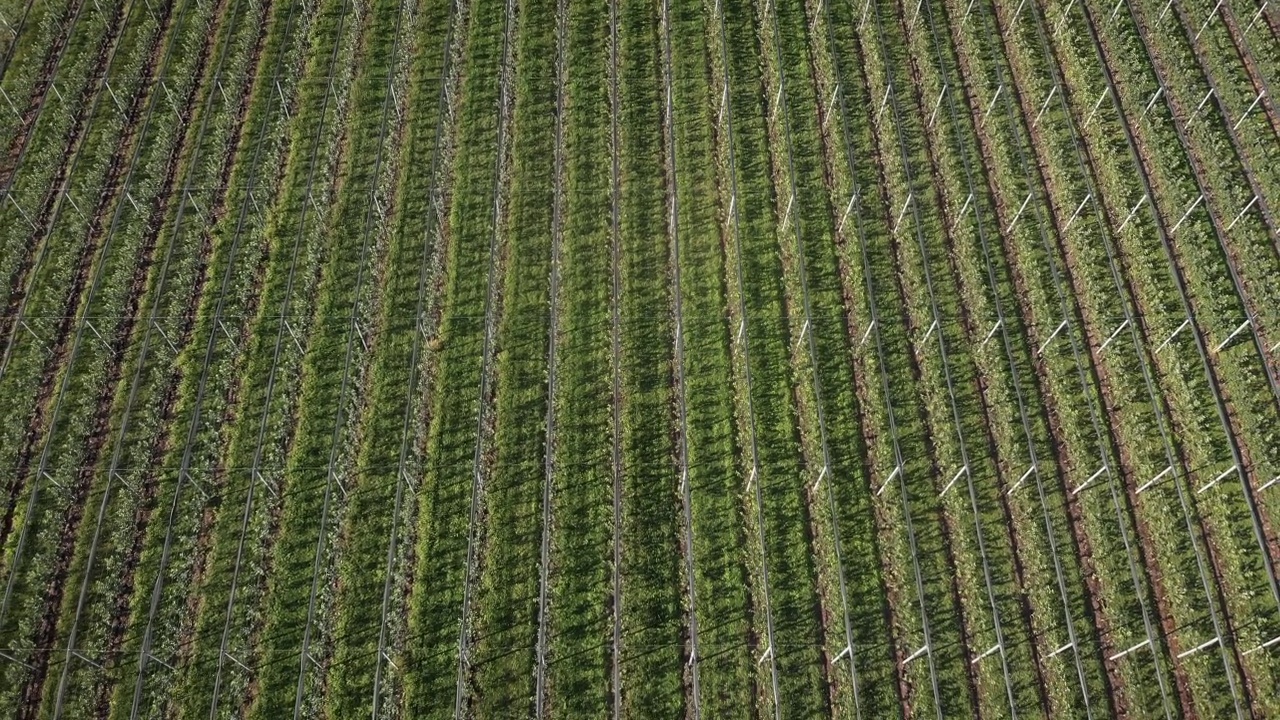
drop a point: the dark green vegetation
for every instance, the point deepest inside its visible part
(639, 358)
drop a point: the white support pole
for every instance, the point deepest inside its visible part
(867, 6)
(847, 209)
(786, 216)
(916, 15)
(956, 477)
(1247, 321)
(986, 654)
(1173, 334)
(1060, 650)
(963, 208)
(1208, 19)
(1195, 113)
(768, 652)
(906, 204)
(1123, 325)
(1062, 18)
(1154, 480)
(1255, 18)
(818, 483)
(1242, 212)
(21, 212)
(1133, 212)
(933, 326)
(1187, 214)
(1078, 209)
(1269, 483)
(892, 475)
(1115, 11)
(1163, 12)
(1018, 214)
(968, 9)
(1139, 646)
(1152, 102)
(917, 654)
(1270, 643)
(937, 103)
(1092, 477)
(993, 330)
(1249, 109)
(991, 105)
(1014, 17)
(1101, 96)
(846, 652)
(866, 333)
(1217, 480)
(1045, 105)
(1202, 646)
(1053, 335)
(1021, 480)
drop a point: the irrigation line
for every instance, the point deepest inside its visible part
(1219, 234)
(63, 192)
(353, 330)
(477, 460)
(1246, 54)
(874, 326)
(17, 34)
(407, 434)
(1007, 344)
(673, 231)
(144, 655)
(1063, 294)
(615, 358)
(1067, 313)
(756, 480)
(557, 238)
(118, 449)
(1231, 128)
(71, 26)
(962, 445)
(1177, 275)
(98, 274)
